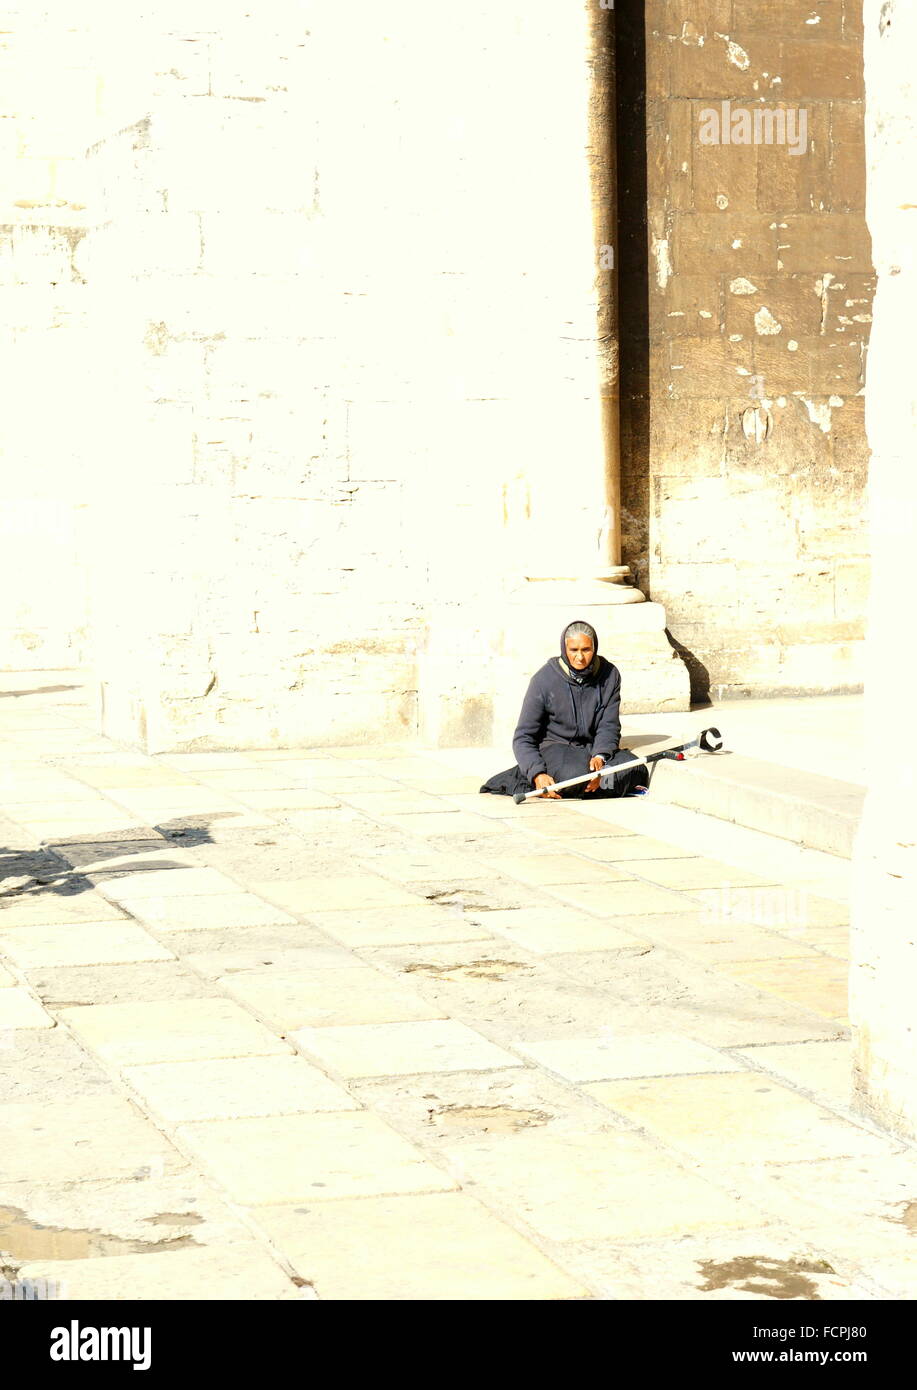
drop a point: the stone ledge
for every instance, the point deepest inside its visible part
(811, 810)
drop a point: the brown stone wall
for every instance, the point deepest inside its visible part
(743, 371)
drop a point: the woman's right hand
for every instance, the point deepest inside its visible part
(544, 779)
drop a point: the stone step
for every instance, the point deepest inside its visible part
(805, 807)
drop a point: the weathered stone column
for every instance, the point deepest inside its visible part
(367, 373)
(560, 539)
(883, 978)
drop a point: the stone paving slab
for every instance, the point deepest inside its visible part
(57, 740)
(757, 1264)
(476, 896)
(874, 1193)
(138, 982)
(541, 869)
(352, 995)
(39, 1063)
(294, 760)
(295, 960)
(114, 1217)
(622, 899)
(20, 1009)
(833, 940)
(608, 1057)
(686, 998)
(163, 802)
(339, 821)
(399, 765)
(315, 1158)
(401, 1049)
(289, 798)
(231, 1088)
(132, 833)
(588, 1186)
(238, 1272)
(222, 827)
(6, 979)
(446, 1108)
(444, 1246)
(53, 799)
(209, 912)
(686, 874)
(79, 826)
(626, 849)
(895, 1275)
(274, 854)
(124, 856)
(448, 823)
(823, 1068)
(451, 785)
(549, 930)
(464, 797)
(395, 803)
(756, 1119)
(25, 791)
(140, 775)
(48, 909)
(353, 894)
(271, 938)
(131, 1034)
(712, 945)
(777, 907)
(81, 1138)
(93, 943)
(818, 983)
(193, 761)
(548, 823)
(423, 864)
(508, 993)
(246, 779)
(339, 779)
(15, 837)
(167, 883)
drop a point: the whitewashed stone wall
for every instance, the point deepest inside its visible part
(340, 380)
(350, 299)
(43, 613)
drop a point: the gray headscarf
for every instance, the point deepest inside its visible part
(574, 630)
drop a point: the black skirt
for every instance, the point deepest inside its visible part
(564, 760)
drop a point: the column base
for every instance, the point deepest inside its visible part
(474, 672)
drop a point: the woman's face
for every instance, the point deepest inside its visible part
(580, 651)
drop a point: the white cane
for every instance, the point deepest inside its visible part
(710, 740)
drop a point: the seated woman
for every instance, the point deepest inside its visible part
(570, 724)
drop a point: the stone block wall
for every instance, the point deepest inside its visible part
(44, 612)
(325, 373)
(43, 370)
(744, 447)
(360, 342)
(67, 75)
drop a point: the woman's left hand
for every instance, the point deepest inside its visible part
(595, 765)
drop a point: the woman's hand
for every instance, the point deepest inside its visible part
(544, 779)
(595, 765)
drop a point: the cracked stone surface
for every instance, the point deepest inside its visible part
(262, 1017)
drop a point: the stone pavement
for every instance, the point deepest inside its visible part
(275, 1026)
(794, 769)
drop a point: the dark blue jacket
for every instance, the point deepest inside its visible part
(559, 710)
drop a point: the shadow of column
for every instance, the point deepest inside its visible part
(632, 256)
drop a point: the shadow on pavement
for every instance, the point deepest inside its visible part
(40, 690)
(56, 868)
